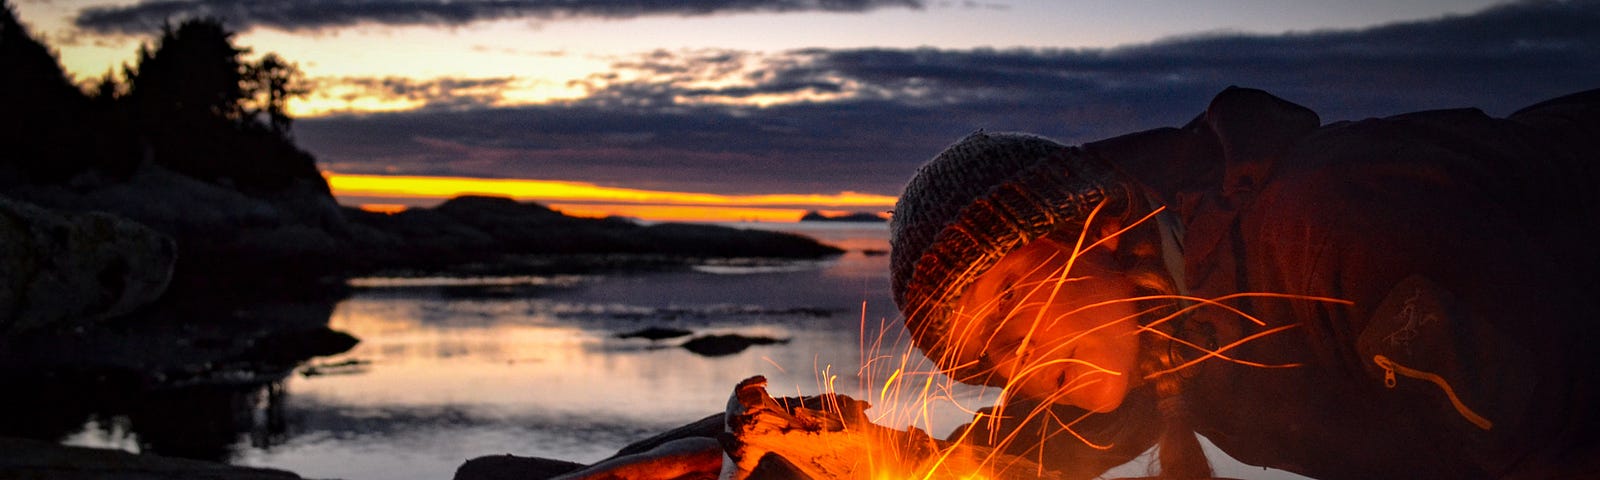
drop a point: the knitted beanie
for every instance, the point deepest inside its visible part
(976, 201)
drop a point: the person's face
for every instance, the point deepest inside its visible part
(1064, 336)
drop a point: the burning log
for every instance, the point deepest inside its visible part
(831, 437)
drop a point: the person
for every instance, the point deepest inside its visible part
(1404, 297)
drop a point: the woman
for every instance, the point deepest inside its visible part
(1405, 297)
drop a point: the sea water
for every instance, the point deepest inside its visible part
(449, 368)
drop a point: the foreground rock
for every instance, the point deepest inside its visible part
(182, 341)
(62, 270)
(219, 230)
(35, 459)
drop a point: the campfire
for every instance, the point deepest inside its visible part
(830, 436)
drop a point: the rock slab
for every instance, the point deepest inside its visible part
(68, 269)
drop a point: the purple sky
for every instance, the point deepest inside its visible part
(897, 107)
(824, 96)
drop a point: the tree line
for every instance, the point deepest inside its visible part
(190, 102)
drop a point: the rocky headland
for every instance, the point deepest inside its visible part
(469, 234)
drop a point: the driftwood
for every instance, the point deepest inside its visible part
(830, 437)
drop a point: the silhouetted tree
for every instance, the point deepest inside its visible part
(105, 91)
(270, 83)
(201, 108)
(189, 103)
(194, 71)
(39, 108)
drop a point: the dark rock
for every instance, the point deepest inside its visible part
(708, 427)
(721, 345)
(483, 210)
(217, 228)
(182, 340)
(61, 270)
(815, 216)
(290, 347)
(510, 467)
(475, 230)
(35, 459)
(656, 333)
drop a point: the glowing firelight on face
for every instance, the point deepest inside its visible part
(1069, 328)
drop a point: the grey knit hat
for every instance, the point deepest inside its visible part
(976, 201)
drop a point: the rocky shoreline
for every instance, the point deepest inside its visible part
(220, 330)
(179, 256)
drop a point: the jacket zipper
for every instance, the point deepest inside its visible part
(1390, 368)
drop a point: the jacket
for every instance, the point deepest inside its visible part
(1423, 286)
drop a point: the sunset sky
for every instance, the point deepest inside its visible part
(758, 109)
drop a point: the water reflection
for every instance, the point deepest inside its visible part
(535, 367)
(450, 369)
(203, 422)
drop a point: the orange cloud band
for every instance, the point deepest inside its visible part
(387, 186)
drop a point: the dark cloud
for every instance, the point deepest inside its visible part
(885, 111)
(148, 15)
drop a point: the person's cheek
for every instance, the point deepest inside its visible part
(1100, 392)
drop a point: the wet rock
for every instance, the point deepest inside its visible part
(67, 269)
(721, 345)
(35, 459)
(511, 467)
(290, 347)
(656, 333)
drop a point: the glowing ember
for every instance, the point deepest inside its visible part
(830, 437)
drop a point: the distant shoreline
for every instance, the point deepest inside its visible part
(860, 217)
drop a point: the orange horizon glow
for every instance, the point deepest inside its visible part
(657, 213)
(677, 213)
(590, 200)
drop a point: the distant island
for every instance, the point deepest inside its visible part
(815, 216)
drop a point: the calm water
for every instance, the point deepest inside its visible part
(449, 369)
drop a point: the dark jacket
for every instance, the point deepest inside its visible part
(1462, 249)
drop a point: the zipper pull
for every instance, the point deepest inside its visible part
(1388, 370)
